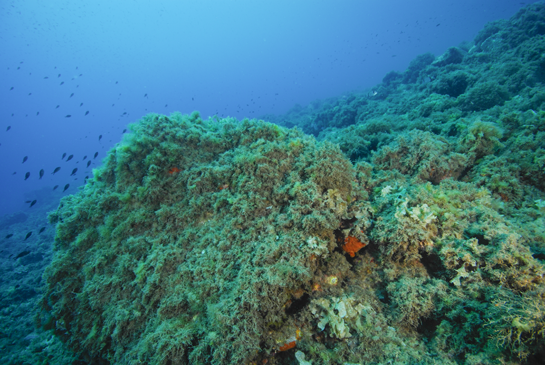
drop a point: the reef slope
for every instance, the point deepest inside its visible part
(408, 229)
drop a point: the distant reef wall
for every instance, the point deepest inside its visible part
(409, 229)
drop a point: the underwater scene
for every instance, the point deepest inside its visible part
(394, 218)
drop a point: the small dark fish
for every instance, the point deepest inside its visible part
(37, 113)
(27, 175)
(28, 201)
(41, 230)
(71, 94)
(66, 187)
(9, 235)
(99, 137)
(124, 113)
(55, 187)
(81, 104)
(57, 107)
(9, 127)
(28, 235)
(59, 75)
(67, 116)
(63, 155)
(25, 158)
(42, 172)
(96, 154)
(22, 254)
(62, 83)
(84, 158)
(29, 94)
(116, 82)
(124, 130)
(69, 158)
(74, 171)
(46, 77)
(87, 112)
(88, 163)
(145, 95)
(33, 202)
(56, 170)
(11, 88)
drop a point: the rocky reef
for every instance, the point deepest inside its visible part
(402, 226)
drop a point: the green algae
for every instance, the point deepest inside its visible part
(227, 257)
(220, 241)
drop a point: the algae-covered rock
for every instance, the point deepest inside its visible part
(188, 242)
(223, 242)
(227, 242)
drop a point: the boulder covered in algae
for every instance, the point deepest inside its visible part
(410, 231)
(227, 242)
(196, 240)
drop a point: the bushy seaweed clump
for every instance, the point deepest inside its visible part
(187, 244)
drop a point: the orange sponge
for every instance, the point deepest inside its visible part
(352, 245)
(287, 346)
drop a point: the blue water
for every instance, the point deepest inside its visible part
(122, 59)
